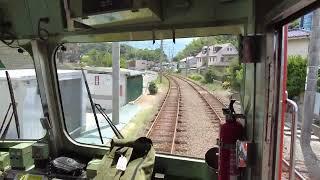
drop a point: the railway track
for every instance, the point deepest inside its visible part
(163, 130)
(213, 102)
(285, 171)
(216, 105)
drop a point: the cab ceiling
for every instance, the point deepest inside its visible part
(75, 21)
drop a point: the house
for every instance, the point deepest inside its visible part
(217, 55)
(188, 62)
(140, 64)
(298, 42)
(306, 21)
(100, 84)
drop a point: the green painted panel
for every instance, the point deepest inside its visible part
(183, 168)
(134, 87)
(255, 121)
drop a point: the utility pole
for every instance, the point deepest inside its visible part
(115, 82)
(311, 82)
(207, 65)
(161, 58)
(187, 66)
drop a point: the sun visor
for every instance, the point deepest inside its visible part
(104, 13)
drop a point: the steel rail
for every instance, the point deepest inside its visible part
(163, 105)
(192, 84)
(161, 108)
(296, 172)
(298, 175)
(177, 117)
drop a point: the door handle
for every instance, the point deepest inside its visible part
(293, 109)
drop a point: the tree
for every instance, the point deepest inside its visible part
(297, 70)
(100, 59)
(234, 75)
(311, 82)
(294, 24)
(127, 52)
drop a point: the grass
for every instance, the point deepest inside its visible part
(136, 126)
(198, 78)
(138, 123)
(214, 86)
(164, 83)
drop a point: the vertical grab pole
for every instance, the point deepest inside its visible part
(294, 109)
(284, 58)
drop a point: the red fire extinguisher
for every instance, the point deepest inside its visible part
(230, 132)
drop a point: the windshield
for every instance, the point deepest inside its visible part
(160, 91)
(20, 105)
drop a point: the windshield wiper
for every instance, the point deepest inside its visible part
(92, 104)
(14, 112)
(106, 117)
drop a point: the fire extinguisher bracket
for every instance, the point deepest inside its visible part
(252, 155)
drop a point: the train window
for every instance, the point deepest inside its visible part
(20, 104)
(149, 104)
(303, 87)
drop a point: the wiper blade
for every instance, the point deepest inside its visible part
(106, 117)
(4, 134)
(92, 104)
(5, 118)
(14, 105)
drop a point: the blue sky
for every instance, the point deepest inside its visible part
(169, 48)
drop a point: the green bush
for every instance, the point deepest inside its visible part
(210, 75)
(196, 77)
(296, 77)
(234, 75)
(226, 85)
(153, 89)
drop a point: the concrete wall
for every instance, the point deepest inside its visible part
(102, 91)
(298, 47)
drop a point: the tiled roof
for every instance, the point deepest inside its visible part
(185, 59)
(211, 50)
(298, 33)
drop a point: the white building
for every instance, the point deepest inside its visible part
(298, 42)
(218, 55)
(100, 84)
(188, 62)
(140, 65)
